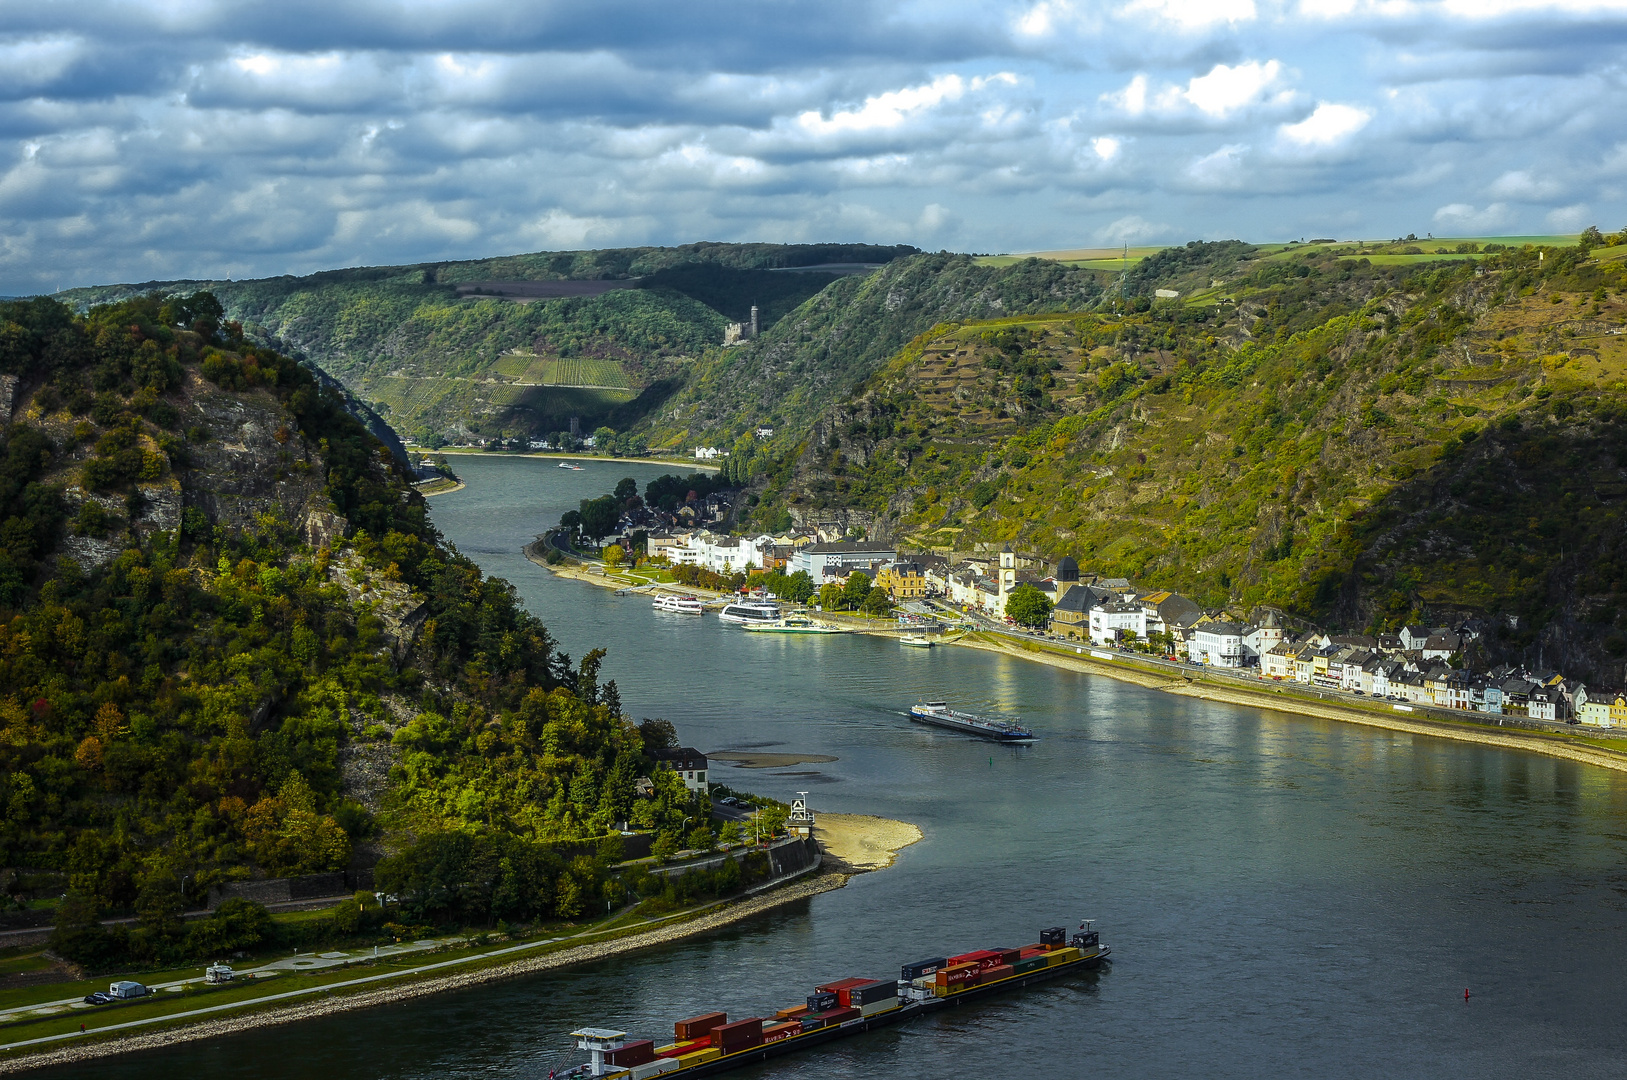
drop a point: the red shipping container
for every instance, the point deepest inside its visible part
(1008, 956)
(959, 973)
(971, 957)
(697, 1027)
(633, 1053)
(993, 974)
(739, 1035)
(773, 1033)
(686, 1046)
(837, 1016)
(793, 1013)
(1032, 950)
(839, 986)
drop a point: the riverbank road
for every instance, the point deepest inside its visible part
(296, 962)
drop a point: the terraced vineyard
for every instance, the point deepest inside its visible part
(532, 370)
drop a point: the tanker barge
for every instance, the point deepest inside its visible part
(709, 1044)
(939, 714)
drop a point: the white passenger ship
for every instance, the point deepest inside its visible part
(750, 611)
(681, 605)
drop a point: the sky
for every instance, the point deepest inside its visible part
(144, 140)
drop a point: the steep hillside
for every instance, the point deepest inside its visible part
(835, 341)
(232, 645)
(1356, 440)
(448, 349)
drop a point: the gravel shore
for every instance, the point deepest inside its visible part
(209, 1029)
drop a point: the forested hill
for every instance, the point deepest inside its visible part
(231, 644)
(1361, 438)
(517, 345)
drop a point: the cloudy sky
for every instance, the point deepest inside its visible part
(142, 139)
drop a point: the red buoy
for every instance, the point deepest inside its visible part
(1465, 993)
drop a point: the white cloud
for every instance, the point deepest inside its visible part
(1106, 146)
(1223, 168)
(1522, 185)
(1329, 125)
(1218, 94)
(1569, 218)
(1129, 230)
(1194, 14)
(893, 108)
(1227, 89)
(1466, 218)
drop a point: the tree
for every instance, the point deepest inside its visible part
(626, 488)
(701, 839)
(856, 589)
(599, 516)
(729, 833)
(658, 734)
(614, 555)
(612, 850)
(830, 596)
(876, 602)
(798, 587)
(770, 820)
(1029, 606)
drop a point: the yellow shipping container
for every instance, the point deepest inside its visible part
(1061, 956)
(940, 991)
(686, 1060)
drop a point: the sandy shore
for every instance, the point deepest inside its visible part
(323, 1006)
(459, 486)
(859, 842)
(1534, 742)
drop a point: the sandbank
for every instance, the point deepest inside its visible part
(860, 842)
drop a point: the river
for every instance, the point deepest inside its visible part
(1284, 896)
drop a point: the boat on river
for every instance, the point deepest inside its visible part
(709, 1044)
(798, 622)
(679, 605)
(750, 611)
(568, 465)
(939, 714)
(916, 641)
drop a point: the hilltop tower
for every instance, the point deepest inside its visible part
(1008, 570)
(754, 320)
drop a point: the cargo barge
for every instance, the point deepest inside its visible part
(940, 714)
(709, 1044)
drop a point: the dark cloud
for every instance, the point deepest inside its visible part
(152, 140)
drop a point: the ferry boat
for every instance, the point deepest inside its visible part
(709, 1044)
(941, 715)
(681, 605)
(916, 641)
(797, 622)
(750, 611)
(568, 465)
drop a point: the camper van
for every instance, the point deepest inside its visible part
(126, 989)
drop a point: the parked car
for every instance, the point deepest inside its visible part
(99, 997)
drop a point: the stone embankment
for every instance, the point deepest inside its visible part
(326, 1005)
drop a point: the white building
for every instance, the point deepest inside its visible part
(709, 453)
(1116, 621)
(821, 561)
(1221, 644)
(720, 554)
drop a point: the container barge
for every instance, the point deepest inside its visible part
(710, 1043)
(941, 715)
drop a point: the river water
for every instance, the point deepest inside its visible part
(1285, 896)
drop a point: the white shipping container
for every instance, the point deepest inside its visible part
(884, 1005)
(653, 1068)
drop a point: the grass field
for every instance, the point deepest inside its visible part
(535, 370)
(1384, 252)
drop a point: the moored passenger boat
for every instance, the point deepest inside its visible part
(750, 611)
(682, 605)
